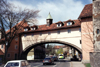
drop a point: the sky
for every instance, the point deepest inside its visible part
(60, 10)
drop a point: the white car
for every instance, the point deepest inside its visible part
(17, 63)
(61, 56)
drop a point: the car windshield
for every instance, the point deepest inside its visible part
(12, 64)
(47, 58)
(60, 55)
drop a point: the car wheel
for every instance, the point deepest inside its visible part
(43, 63)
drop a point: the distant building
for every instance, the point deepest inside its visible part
(56, 48)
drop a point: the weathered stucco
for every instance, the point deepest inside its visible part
(73, 38)
(87, 39)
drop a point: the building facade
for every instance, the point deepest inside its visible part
(75, 33)
(87, 32)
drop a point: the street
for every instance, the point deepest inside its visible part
(60, 63)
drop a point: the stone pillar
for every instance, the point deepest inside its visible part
(95, 56)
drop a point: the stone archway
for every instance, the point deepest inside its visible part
(27, 49)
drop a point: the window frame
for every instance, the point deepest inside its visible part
(2, 46)
(49, 33)
(33, 28)
(25, 35)
(69, 23)
(80, 41)
(40, 34)
(25, 29)
(80, 29)
(69, 30)
(16, 46)
(32, 34)
(8, 55)
(58, 31)
(16, 38)
(59, 25)
(98, 31)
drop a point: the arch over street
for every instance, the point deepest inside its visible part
(27, 49)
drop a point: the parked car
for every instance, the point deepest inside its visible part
(17, 63)
(61, 56)
(55, 58)
(48, 60)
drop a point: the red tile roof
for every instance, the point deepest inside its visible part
(86, 12)
(57, 47)
(59, 22)
(53, 26)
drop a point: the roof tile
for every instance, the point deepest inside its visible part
(86, 12)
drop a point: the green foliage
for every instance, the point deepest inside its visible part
(60, 51)
(49, 50)
(87, 65)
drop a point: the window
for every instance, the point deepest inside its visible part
(13, 64)
(16, 38)
(49, 33)
(40, 34)
(25, 35)
(69, 23)
(8, 55)
(97, 31)
(80, 29)
(58, 25)
(15, 56)
(80, 42)
(69, 31)
(33, 28)
(48, 24)
(32, 34)
(25, 29)
(16, 46)
(58, 32)
(2, 46)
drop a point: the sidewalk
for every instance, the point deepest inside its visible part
(76, 64)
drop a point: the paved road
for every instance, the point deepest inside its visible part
(60, 63)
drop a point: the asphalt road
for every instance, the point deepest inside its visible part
(60, 63)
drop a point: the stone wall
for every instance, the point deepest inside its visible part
(95, 59)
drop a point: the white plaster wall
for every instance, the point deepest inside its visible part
(74, 37)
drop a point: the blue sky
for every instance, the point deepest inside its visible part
(60, 10)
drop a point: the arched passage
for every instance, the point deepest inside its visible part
(27, 49)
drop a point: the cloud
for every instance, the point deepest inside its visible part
(61, 10)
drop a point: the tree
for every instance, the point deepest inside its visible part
(10, 16)
(60, 51)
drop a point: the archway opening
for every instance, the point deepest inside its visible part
(44, 49)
